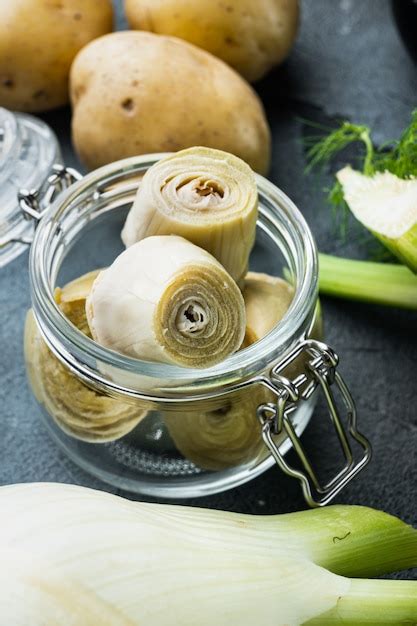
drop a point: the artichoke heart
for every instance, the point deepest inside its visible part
(230, 434)
(164, 299)
(78, 410)
(206, 196)
(71, 300)
(223, 437)
(267, 299)
(387, 206)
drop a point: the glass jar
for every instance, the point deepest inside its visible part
(170, 431)
(28, 150)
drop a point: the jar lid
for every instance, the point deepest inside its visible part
(28, 150)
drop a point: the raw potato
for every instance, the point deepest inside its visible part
(38, 42)
(136, 93)
(251, 36)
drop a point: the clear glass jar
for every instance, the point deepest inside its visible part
(28, 150)
(172, 431)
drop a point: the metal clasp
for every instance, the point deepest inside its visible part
(34, 202)
(320, 371)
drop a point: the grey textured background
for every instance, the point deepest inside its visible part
(350, 63)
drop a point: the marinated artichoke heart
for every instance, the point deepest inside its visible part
(206, 196)
(230, 435)
(224, 437)
(267, 299)
(165, 299)
(78, 410)
(72, 297)
(387, 206)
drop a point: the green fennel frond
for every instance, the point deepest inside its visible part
(397, 156)
(327, 147)
(340, 209)
(335, 194)
(400, 157)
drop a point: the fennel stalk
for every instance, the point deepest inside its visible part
(379, 283)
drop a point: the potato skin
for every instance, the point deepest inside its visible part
(38, 41)
(250, 35)
(136, 93)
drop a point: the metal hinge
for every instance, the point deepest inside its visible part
(320, 372)
(35, 202)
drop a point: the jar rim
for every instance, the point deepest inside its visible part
(68, 342)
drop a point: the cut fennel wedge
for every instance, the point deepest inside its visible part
(387, 206)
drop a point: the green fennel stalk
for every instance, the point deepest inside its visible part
(373, 603)
(380, 283)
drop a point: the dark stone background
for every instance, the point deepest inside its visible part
(348, 63)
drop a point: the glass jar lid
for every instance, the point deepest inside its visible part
(28, 150)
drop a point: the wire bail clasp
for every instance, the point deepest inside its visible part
(320, 371)
(34, 202)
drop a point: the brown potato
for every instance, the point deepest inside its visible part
(251, 36)
(38, 41)
(137, 93)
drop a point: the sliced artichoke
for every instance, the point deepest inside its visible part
(230, 435)
(267, 299)
(78, 410)
(165, 299)
(224, 437)
(72, 297)
(206, 196)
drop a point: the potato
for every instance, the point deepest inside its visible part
(250, 35)
(38, 41)
(135, 93)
